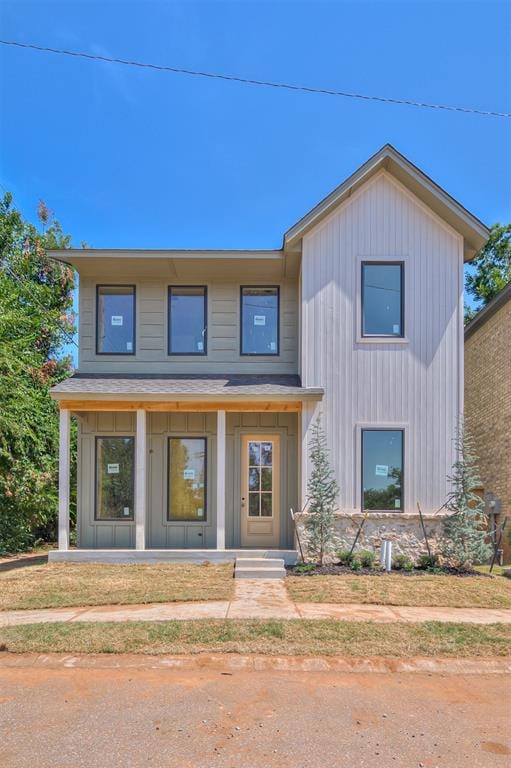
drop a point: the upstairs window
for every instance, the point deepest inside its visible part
(188, 320)
(382, 470)
(259, 321)
(115, 320)
(382, 299)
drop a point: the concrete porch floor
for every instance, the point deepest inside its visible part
(134, 556)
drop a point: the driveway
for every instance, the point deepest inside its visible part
(128, 713)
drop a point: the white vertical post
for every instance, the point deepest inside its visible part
(140, 479)
(64, 477)
(220, 480)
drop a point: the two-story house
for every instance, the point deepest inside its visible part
(201, 372)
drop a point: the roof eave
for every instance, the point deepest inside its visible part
(474, 232)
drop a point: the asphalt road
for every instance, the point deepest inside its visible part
(139, 716)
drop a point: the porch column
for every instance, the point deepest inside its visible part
(140, 479)
(64, 476)
(220, 480)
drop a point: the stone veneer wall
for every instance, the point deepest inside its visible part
(404, 529)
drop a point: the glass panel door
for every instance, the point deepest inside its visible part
(260, 490)
(260, 479)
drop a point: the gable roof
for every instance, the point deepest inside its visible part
(475, 233)
(484, 314)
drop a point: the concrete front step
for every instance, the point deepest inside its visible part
(259, 573)
(259, 568)
(260, 562)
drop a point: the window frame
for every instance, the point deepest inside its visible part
(169, 322)
(260, 354)
(125, 520)
(383, 263)
(370, 428)
(181, 520)
(117, 285)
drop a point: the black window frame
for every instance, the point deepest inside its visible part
(260, 354)
(382, 429)
(131, 518)
(386, 263)
(191, 520)
(169, 322)
(118, 285)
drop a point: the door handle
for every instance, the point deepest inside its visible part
(242, 501)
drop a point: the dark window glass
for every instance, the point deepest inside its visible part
(187, 320)
(382, 305)
(259, 321)
(187, 479)
(114, 478)
(115, 332)
(382, 469)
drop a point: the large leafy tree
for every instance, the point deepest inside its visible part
(35, 321)
(492, 268)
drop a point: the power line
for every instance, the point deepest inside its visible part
(248, 81)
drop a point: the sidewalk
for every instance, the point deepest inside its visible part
(256, 599)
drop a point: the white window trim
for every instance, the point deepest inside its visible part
(390, 425)
(376, 340)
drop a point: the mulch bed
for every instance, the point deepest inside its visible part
(333, 569)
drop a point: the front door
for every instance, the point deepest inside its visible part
(260, 490)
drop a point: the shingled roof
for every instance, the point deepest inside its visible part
(163, 385)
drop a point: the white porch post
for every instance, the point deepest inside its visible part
(140, 479)
(64, 477)
(220, 480)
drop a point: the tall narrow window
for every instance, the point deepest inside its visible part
(115, 459)
(382, 299)
(115, 320)
(187, 479)
(382, 469)
(259, 321)
(188, 320)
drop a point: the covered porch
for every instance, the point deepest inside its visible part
(211, 478)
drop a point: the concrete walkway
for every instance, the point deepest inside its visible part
(255, 599)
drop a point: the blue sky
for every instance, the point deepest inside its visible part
(132, 158)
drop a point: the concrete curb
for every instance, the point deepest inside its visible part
(231, 663)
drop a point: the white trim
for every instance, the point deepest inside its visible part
(220, 479)
(140, 480)
(404, 426)
(64, 477)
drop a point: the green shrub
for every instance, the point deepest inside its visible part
(367, 558)
(305, 567)
(355, 564)
(426, 562)
(345, 556)
(402, 563)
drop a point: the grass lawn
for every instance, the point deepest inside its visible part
(430, 590)
(300, 637)
(59, 585)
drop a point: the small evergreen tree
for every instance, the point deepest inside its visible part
(465, 530)
(322, 491)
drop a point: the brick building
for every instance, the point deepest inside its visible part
(488, 399)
